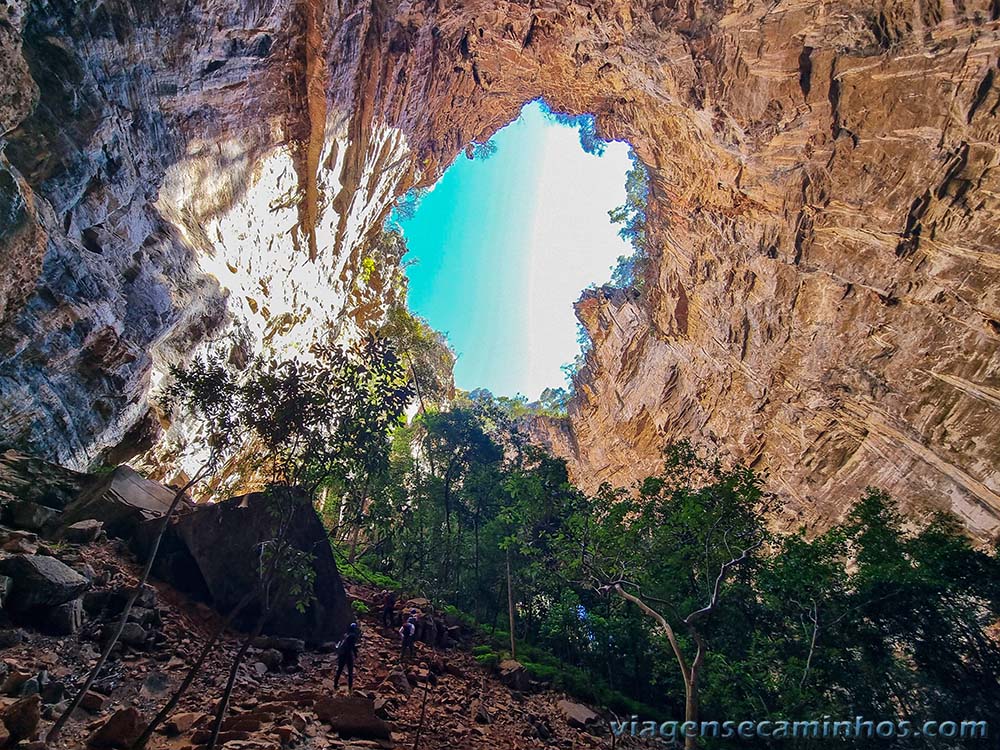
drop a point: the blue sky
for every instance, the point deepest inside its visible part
(504, 246)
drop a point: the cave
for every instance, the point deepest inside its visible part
(823, 296)
(819, 296)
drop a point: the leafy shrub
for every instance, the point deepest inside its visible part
(489, 659)
(541, 672)
(463, 617)
(358, 572)
(481, 151)
(586, 125)
(629, 270)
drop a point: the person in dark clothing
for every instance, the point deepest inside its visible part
(388, 608)
(408, 633)
(347, 652)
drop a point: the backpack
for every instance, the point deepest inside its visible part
(408, 629)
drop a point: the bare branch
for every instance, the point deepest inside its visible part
(716, 589)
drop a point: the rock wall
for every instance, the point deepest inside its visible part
(822, 299)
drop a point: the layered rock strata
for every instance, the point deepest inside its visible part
(822, 299)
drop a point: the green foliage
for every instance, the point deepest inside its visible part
(551, 403)
(586, 124)
(301, 425)
(207, 390)
(481, 151)
(296, 573)
(465, 618)
(360, 608)
(327, 419)
(870, 615)
(358, 572)
(367, 269)
(387, 252)
(487, 659)
(629, 271)
(867, 618)
(406, 207)
(572, 369)
(425, 351)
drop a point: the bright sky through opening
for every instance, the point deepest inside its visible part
(505, 245)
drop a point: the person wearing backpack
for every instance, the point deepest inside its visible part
(347, 652)
(388, 608)
(408, 633)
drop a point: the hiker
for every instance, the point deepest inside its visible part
(388, 608)
(408, 633)
(347, 652)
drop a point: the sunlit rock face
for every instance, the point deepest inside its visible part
(180, 176)
(823, 299)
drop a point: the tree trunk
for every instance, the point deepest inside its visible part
(510, 608)
(479, 583)
(220, 714)
(53, 734)
(360, 520)
(191, 674)
(354, 542)
(423, 714)
(691, 709)
(690, 674)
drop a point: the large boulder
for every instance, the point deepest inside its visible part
(398, 681)
(38, 581)
(23, 514)
(41, 496)
(31, 480)
(352, 716)
(215, 551)
(122, 501)
(120, 730)
(513, 674)
(33, 492)
(83, 532)
(577, 715)
(21, 719)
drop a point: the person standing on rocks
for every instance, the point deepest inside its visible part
(388, 608)
(347, 652)
(409, 634)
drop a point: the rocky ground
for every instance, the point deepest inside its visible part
(284, 694)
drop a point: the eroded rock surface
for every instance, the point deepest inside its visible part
(823, 296)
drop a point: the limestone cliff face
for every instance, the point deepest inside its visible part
(823, 299)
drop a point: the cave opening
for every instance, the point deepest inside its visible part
(503, 244)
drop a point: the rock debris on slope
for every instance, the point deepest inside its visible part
(284, 696)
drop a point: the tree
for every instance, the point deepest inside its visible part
(406, 207)
(629, 270)
(711, 527)
(481, 151)
(308, 423)
(590, 141)
(538, 499)
(872, 618)
(675, 588)
(425, 352)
